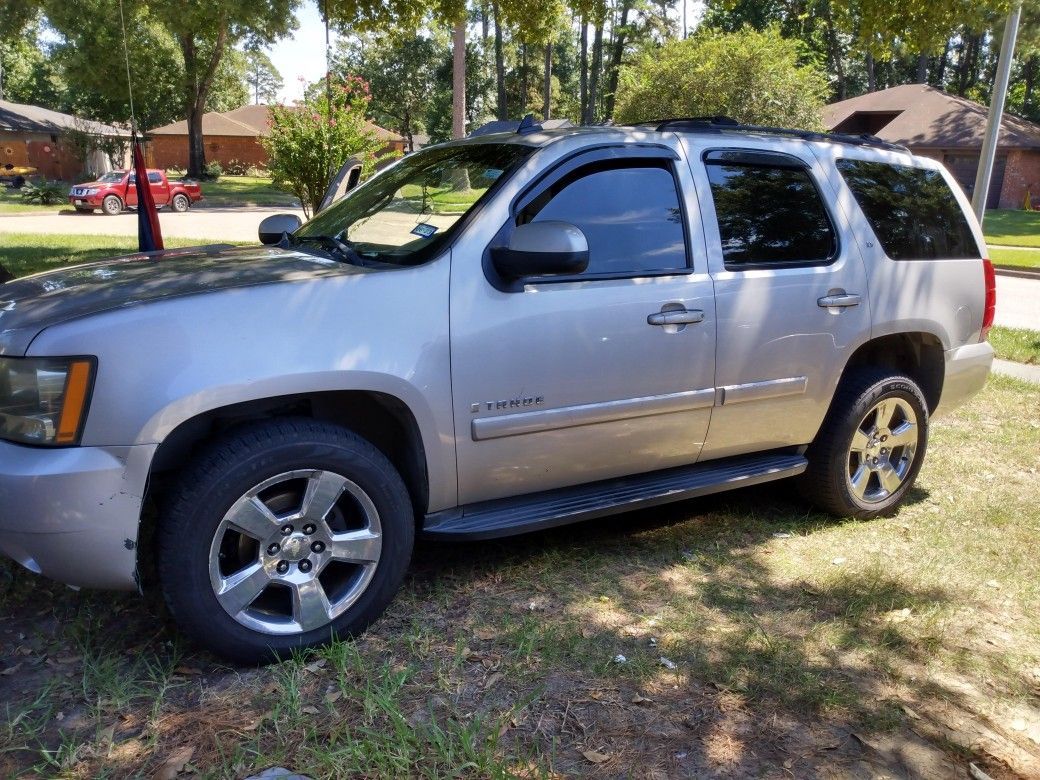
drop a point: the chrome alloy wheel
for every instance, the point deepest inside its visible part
(882, 450)
(295, 552)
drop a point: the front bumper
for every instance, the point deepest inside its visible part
(93, 201)
(72, 514)
(967, 368)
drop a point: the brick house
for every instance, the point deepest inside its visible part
(948, 128)
(229, 136)
(31, 137)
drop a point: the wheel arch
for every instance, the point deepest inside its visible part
(918, 354)
(382, 419)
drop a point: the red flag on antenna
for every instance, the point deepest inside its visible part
(149, 236)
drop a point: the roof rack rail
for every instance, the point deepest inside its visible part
(726, 124)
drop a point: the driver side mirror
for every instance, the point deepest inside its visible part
(275, 226)
(549, 248)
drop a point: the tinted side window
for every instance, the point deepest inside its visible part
(630, 216)
(913, 211)
(154, 178)
(769, 215)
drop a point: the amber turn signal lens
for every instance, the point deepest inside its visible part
(76, 388)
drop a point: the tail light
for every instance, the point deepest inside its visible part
(991, 298)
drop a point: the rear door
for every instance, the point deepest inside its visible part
(790, 291)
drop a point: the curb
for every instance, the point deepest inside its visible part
(1017, 271)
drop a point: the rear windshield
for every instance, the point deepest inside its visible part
(912, 210)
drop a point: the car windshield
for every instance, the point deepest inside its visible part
(404, 214)
(112, 177)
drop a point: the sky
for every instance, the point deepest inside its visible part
(302, 54)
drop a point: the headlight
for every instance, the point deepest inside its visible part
(44, 400)
(92, 191)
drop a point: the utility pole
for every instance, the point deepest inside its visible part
(996, 114)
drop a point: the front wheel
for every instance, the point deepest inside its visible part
(870, 447)
(112, 205)
(282, 537)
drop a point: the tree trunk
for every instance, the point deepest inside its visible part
(1030, 83)
(595, 68)
(583, 69)
(197, 84)
(939, 79)
(458, 80)
(922, 68)
(524, 83)
(871, 75)
(501, 107)
(834, 53)
(547, 83)
(484, 31)
(406, 129)
(617, 52)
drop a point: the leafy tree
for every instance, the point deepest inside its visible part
(400, 70)
(263, 77)
(751, 76)
(27, 74)
(310, 142)
(205, 30)
(229, 90)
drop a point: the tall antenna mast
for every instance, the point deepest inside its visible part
(129, 83)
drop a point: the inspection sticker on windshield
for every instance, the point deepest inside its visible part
(424, 229)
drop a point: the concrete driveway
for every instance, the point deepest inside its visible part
(224, 224)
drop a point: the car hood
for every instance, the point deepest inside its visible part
(97, 184)
(32, 303)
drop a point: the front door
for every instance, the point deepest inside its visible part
(575, 379)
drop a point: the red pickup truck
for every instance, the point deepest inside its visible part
(117, 190)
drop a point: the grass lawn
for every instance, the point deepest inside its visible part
(29, 253)
(1012, 227)
(245, 191)
(11, 203)
(905, 646)
(1018, 344)
(1022, 258)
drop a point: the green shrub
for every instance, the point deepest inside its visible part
(235, 168)
(214, 170)
(46, 193)
(752, 77)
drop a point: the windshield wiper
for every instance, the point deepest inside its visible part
(340, 249)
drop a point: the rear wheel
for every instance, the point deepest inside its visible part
(282, 537)
(871, 446)
(180, 203)
(112, 205)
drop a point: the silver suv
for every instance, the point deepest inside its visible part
(490, 337)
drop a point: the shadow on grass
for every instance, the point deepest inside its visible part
(767, 667)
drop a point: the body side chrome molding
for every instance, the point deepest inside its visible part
(589, 414)
(760, 391)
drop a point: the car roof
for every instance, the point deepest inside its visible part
(695, 127)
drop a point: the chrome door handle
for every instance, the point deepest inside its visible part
(842, 300)
(676, 317)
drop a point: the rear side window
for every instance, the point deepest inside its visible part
(912, 211)
(629, 213)
(769, 215)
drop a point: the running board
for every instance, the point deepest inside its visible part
(508, 516)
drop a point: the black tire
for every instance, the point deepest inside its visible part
(111, 205)
(180, 203)
(827, 482)
(226, 472)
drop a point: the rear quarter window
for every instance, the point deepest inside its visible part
(912, 211)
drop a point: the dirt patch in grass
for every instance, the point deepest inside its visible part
(794, 645)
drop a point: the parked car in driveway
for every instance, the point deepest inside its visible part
(116, 190)
(492, 336)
